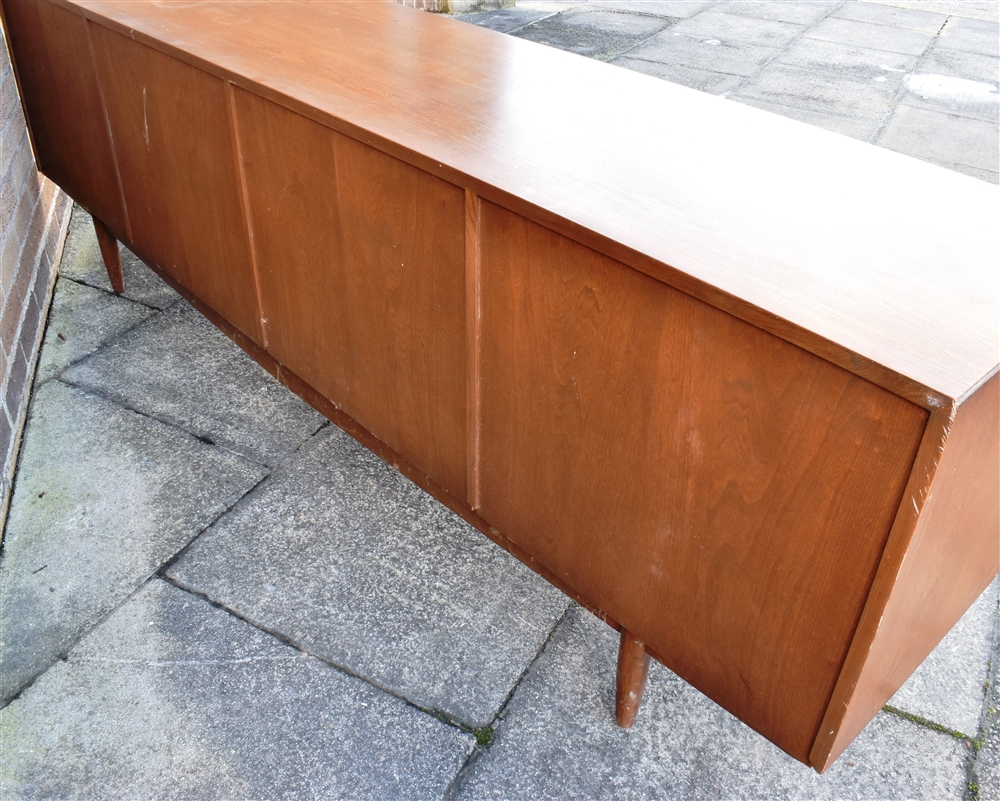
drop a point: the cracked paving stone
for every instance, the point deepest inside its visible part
(352, 562)
(103, 498)
(179, 368)
(171, 697)
(558, 739)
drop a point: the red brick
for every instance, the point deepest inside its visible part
(10, 318)
(26, 206)
(8, 97)
(46, 190)
(29, 322)
(25, 274)
(11, 132)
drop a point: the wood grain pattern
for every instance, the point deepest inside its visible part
(323, 405)
(934, 570)
(828, 242)
(742, 420)
(723, 494)
(473, 334)
(630, 679)
(55, 70)
(171, 133)
(362, 268)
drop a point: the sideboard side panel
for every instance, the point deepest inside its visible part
(62, 101)
(930, 581)
(362, 270)
(721, 493)
(170, 126)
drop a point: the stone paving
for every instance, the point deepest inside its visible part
(919, 82)
(207, 591)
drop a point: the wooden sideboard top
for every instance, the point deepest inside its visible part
(881, 263)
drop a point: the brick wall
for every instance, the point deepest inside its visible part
(34, 215)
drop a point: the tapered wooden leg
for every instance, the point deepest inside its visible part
(633, 667)
(109, 250)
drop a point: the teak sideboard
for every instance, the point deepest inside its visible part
(728, 380)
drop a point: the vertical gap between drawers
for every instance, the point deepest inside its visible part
(234, 130)
(473, 350)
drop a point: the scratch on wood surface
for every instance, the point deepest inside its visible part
(145, 120)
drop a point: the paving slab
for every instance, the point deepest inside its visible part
(504, 20)
(991, 176)
(349, 560)
(715, 23)
(714, 55)
(970, 35)
(595, 33)
(959, 96)
(873, 37)
(987, 765)
(173, 698)
(550, 6)
(800, 12)
(825, 92)
(940, 137)
(179, 368)
(972, 9)
(961, 64)
(948, 688)
(880, 66)
(81, 319)
(103, 498)
(678, 9)
(716, 83)
(848, 126)
(558, 739)
(81, 261)
(891, 16)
